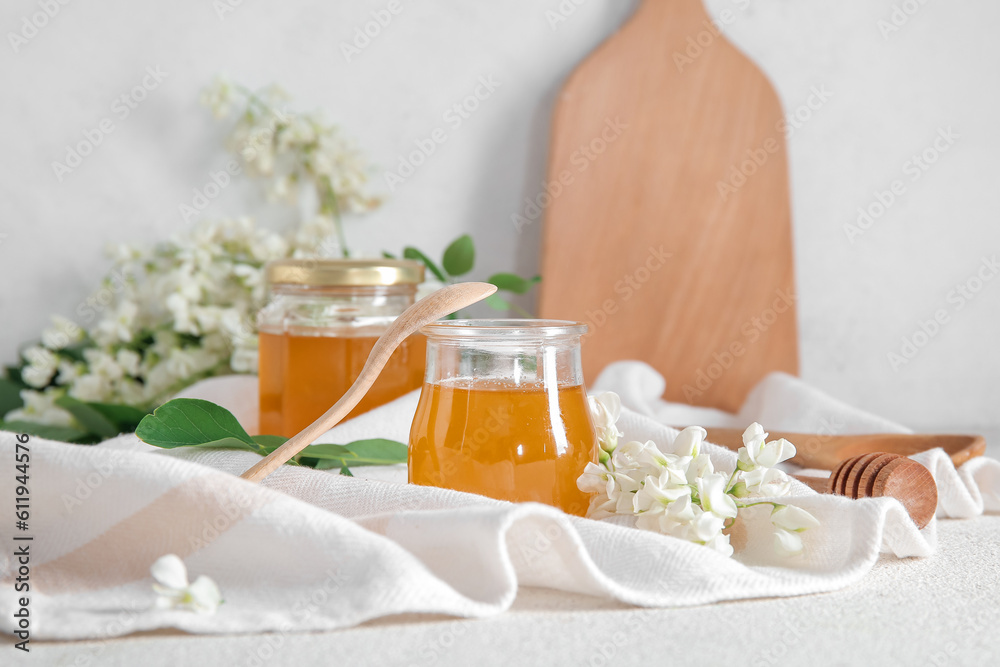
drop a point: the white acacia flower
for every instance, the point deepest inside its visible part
(180, 310)
(605, 409)
(37, 377)
(40, 407)
(756, 453)
(62, 333)
(91, 387)
(40, 357)
(706, 526)
(597, 479)
(669, 518)
(174, 592)
(601, 507)
(688, 442)
(700, 466)
(713, 496)
(657, 493)
(767, 482)
(794, 519)
(787, 543)
(645, 458)
(789, 521)
(244, 360)
(118, 325)
(128, 361)
(218, 97)
(69, 371)
(102, 364)
(753, 433)
(42, 366)
(721, 544)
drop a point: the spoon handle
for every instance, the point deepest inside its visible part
(443, 302)
(825, 452)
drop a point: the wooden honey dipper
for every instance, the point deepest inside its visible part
(881, 474)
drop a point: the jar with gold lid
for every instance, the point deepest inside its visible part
(321, 321)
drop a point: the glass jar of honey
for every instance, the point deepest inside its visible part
(321, 321)
(503, 412)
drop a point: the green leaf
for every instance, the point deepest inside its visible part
(459, 256)
(497, 302)
(60, 433)
(75, 351)
(512, 282)
(409, 252)
(269, 442)
(225, 443)
(388, 255)
(346, 472)
(13, 373)
(10, 396)
(189, 421)
(374, 452)
(89, 418)
(125, 417)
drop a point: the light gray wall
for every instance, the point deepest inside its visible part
(890, 94)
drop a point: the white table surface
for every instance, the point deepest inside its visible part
(943, 610)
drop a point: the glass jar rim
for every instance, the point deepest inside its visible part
(504, 329)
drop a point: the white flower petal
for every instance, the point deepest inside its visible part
(170, 572)
(792, 518)
(787, 543)
(721, 544)
(688, 441)
(204, 595)
(753, 433)
(714, 499)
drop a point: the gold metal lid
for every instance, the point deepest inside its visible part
(344, 272)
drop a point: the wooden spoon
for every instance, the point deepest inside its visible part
(443, 302)
(826, 452)
(879, 474)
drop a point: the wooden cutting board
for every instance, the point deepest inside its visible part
(668, 228)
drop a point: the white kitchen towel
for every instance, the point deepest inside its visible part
(310, 550)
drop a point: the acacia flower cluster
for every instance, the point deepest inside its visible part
(169, 315)
(679, 492)
(295, 153)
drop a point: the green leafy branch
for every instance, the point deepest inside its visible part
(458, 260)
(191, 422)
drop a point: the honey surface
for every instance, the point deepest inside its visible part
(301, 377)
(518, 443)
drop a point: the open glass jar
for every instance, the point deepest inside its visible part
(321, 321)
(503, 412)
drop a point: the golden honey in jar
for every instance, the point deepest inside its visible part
(321, 321)
(503, 412)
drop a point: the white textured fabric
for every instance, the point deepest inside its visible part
(312, 550)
